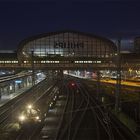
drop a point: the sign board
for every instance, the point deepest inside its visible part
(68, 45)
(18, 81)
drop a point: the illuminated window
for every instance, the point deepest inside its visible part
(98, 62)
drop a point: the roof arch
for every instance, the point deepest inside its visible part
(101, 45)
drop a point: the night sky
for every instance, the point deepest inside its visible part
(20, 19)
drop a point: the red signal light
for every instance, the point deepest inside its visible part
(73, 84)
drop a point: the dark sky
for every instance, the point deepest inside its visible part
(20, 19)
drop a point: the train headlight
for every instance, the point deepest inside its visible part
(37, 117)
(22, 118)
(29, 106)
(51, 104)
(73, 84)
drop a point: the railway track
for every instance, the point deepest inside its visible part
(10, 109)
(116, 130)
(34, 133)
(67, 115)
(80, 113)
(89, 120)
(82, 117)
(32, 130)
(63, 90)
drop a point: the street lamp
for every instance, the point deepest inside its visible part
(118, 80)
(130, 71)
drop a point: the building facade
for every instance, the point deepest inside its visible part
(66, 44)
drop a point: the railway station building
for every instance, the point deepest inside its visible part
(66, 44)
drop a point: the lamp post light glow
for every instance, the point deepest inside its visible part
(130, 71)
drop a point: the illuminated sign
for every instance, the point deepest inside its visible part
(18, 81)
(68, 45)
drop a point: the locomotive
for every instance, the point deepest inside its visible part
(29, 115)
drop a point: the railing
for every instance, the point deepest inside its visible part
(72, 65)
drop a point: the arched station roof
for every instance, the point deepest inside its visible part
(66, 43)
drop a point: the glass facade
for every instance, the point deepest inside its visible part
(66, 44)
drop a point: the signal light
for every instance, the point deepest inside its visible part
(73, 84)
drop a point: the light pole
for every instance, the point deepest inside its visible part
(33, 71)
(118, 80)
(98, 84)
(130, 72)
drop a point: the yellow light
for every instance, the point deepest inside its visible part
(29, 106)
(22, 118)
(37, 117)
(130, 70)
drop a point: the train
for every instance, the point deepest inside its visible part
(29, 115)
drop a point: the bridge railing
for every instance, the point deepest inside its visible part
(72, 65)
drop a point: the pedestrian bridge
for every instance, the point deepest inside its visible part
(92, 64)
(67, 50)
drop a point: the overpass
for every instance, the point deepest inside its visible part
(80, 63)
(68, 50)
